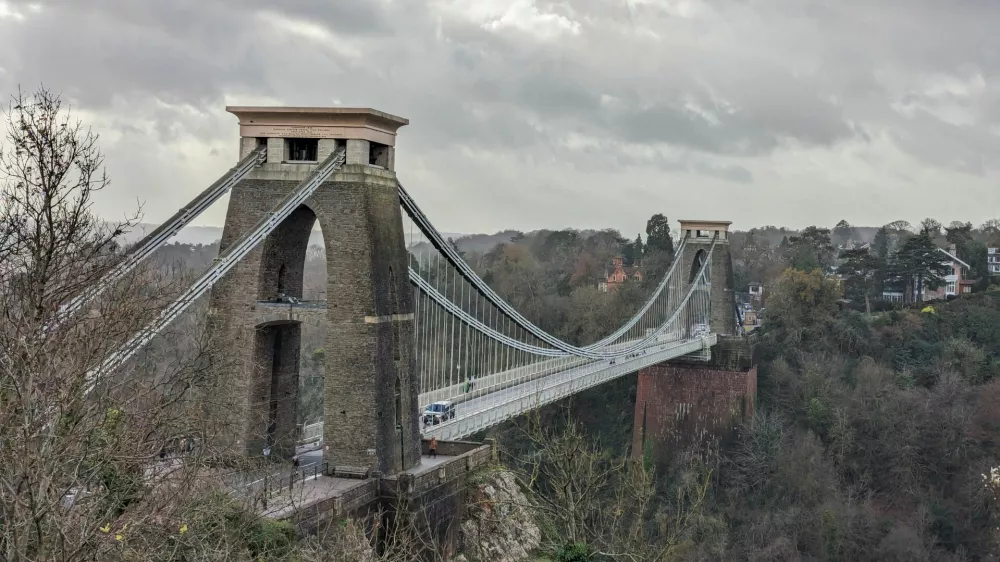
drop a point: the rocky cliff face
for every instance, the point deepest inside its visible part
(500, 526)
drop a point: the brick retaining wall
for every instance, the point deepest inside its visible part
(682, 407)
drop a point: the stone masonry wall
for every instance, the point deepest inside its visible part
(723, 312)
(275, 380)
(439, 497)
(358, 211)
(681, 407)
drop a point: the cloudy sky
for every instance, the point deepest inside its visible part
(546, 113)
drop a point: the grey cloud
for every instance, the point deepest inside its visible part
(774, 75)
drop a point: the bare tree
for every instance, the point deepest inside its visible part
(583, 496)
(76, 468)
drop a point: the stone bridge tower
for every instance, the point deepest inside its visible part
(371, 384)
(692, 402)
(700, 236)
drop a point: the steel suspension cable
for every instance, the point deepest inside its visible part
(493, 334)
(226, 261)
(456, 261)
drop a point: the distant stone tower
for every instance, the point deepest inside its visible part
(699, 236)
(371, 384)
(692, 402)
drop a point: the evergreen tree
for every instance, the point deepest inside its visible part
(960, 234)
(919, 263)
(658, 235)
(812, 249)
(880, 246)
(862, 270)
(843, 232)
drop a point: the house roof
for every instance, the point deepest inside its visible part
(628, 270)
(953, 258)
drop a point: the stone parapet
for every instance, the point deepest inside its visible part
(729, 352)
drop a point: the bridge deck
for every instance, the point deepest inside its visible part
(321, 488)
(481, 412)
(501, 396)
(309, 493)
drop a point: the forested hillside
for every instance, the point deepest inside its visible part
(873, 432)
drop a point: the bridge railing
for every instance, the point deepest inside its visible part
(311, 433)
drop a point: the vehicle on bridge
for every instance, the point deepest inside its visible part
(438, 412)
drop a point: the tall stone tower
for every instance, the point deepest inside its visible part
(700, 235)
(371, 384)
(692, 402)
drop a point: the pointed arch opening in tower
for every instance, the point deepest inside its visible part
(290, 357)
(696, 263)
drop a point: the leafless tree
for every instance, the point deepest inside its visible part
(78, 471)
(581, 495)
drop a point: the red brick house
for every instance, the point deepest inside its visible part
(619, 273)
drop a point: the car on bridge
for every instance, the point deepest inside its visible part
(438, 412)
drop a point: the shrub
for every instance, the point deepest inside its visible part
(577, 552)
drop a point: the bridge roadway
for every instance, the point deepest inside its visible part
(501, 396)
(509, 393)
(510, 377)
(478, 413)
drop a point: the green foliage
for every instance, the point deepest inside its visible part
(843, 232)
(647, 455)
(633, 251)
(811, 249)
(577, 552)
(862, 271)
(800, 309)
(219, 520)
(880, 246)
(906, 416)
(918, 261)
(658, 235)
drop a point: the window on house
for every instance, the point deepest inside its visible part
(702, 233)
(301, 150)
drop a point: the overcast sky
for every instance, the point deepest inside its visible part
(541, 113)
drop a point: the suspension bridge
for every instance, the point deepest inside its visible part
(409, 322)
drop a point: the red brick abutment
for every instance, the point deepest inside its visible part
(687, 405)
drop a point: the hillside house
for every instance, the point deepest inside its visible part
(956, 282)
(993, 260)
(619, 273)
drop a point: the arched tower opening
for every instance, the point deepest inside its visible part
(266, 295)
(289, 355)
(696, 263)
(283, 257)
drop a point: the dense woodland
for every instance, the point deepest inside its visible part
(873, 430)
(874, 437)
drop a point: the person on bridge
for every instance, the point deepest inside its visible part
(432, 448)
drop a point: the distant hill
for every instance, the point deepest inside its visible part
(774, 234)
(470, 243)
(205, 235)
